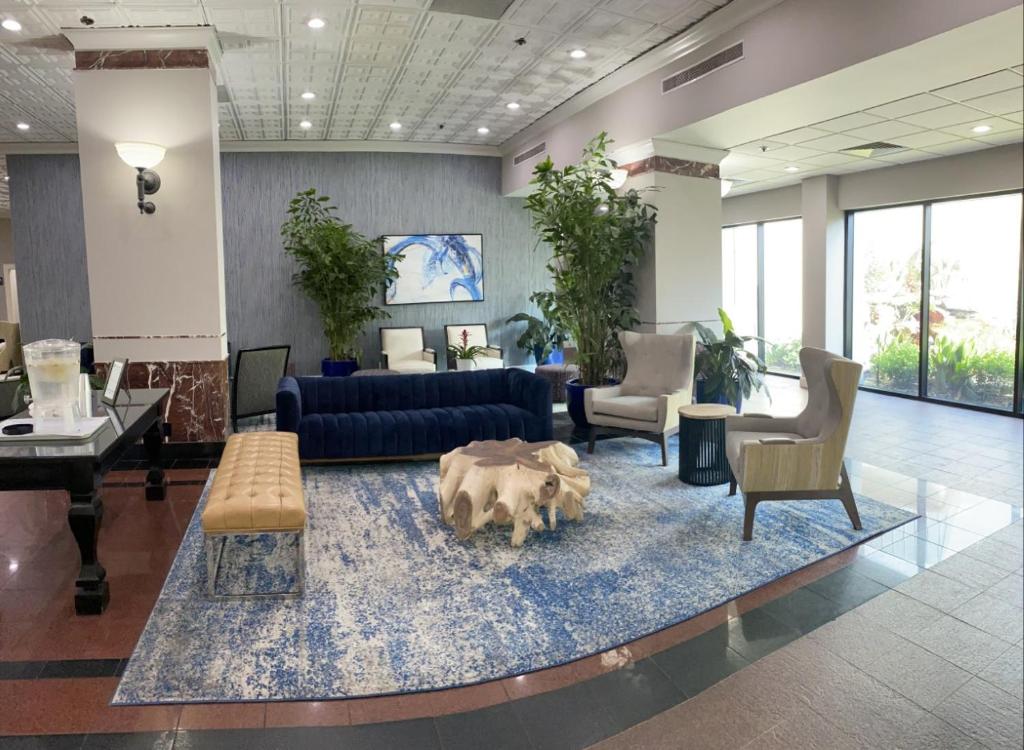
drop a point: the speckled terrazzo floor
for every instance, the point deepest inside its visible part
(394, 603)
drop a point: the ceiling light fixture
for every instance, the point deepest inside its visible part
(395, 126)
(307, 95)
(10, 24)
(22, 126)
(483, 130)
(726, 187)
(577, 54)
(981, 128)
(316, 23)
(143, 157)
(305, 124)
(512, 105)
(792, 168)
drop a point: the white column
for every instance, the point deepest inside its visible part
(824, 255)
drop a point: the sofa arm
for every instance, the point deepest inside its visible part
(531, 392)
(289, 405)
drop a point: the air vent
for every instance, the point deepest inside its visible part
(537, 150)
(492, 9)
(709, 65)
(871, 149)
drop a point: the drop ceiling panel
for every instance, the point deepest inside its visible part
(951, 114)
(908, 106)
(1000, 103)
(990, 84)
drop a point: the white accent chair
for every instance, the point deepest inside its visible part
(489, 359)
(402, 350)
(659, 379)
(801, 457)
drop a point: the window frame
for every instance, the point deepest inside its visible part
(1017, 407)
(761, 349)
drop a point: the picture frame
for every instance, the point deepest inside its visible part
(112, 386)
(436, 268)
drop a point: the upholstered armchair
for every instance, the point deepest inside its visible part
(659, 379)
(801, 457)
(402, 350)
(10, 349)
(490, 358)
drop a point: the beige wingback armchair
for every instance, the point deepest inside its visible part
(10, 349)
(402, 350)
(659, 379)
(801, 457)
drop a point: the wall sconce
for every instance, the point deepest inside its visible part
(143, 157)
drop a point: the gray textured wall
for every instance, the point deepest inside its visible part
(378, 193)
(49, 247)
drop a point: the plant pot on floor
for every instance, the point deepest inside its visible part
(336, 368)
(720, 398)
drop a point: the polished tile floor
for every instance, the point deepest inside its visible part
(912, 640)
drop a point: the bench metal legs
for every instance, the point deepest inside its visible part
(215, 544)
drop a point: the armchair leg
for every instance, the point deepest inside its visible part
(592, 438)
(748, 518)
(664, 449)
(732, 485)
(846, 495)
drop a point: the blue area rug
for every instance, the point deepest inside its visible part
(395, 603)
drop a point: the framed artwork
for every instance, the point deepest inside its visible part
(115, 376)
(436, 268)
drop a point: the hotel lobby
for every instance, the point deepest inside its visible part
(472, 374)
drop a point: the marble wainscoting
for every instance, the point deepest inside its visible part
(198, 405)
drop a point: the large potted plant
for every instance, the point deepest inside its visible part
(341, 271)
(727, 372)
(596, 236)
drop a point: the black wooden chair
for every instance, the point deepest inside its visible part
(254, 388)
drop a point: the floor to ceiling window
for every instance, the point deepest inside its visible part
(959, 260)
(762, 288)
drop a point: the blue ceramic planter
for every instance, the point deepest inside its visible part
(335, 368)
(702, 398)
(574, 391)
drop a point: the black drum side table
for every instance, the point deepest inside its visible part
(702, 459)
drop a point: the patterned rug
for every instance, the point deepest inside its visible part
(395, 603)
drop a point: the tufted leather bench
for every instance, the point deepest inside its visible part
(257, 490)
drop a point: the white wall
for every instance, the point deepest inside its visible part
(156, 282)
(766, 205)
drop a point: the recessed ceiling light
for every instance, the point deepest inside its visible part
(578, 54)
(512, 105)
(395, 126)
(981, 128)
(305, 124)
(792, 168)
(316, 23)
(22, 126)
(483, 130)
(10, 24)
(7, 178)
(307, 95)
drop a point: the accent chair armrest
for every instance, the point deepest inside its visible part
(493, 351)
(668, 407)
(599, 393)
(777, 441)
(289, 405)
(759, 423)
(429, 355)
(772, 465)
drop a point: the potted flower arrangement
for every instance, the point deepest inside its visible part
(464, 354)
(727, 372)
(341, 271)
(596, 236)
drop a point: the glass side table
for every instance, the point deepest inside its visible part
(702, 458)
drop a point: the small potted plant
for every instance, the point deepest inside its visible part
(541, 337)
(726, 371)
(464, 354)
(341, 271)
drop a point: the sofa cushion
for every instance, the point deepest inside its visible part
(642, 408)
(414, 431)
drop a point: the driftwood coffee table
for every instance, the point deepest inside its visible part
(509, 482)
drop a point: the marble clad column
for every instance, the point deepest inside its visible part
(156, 282)
(680, 279)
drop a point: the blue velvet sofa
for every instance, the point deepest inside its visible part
(409, 415)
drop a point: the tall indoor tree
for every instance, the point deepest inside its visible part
(597, 235)
(342, 271)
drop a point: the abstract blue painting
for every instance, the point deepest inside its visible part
(436, 268)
